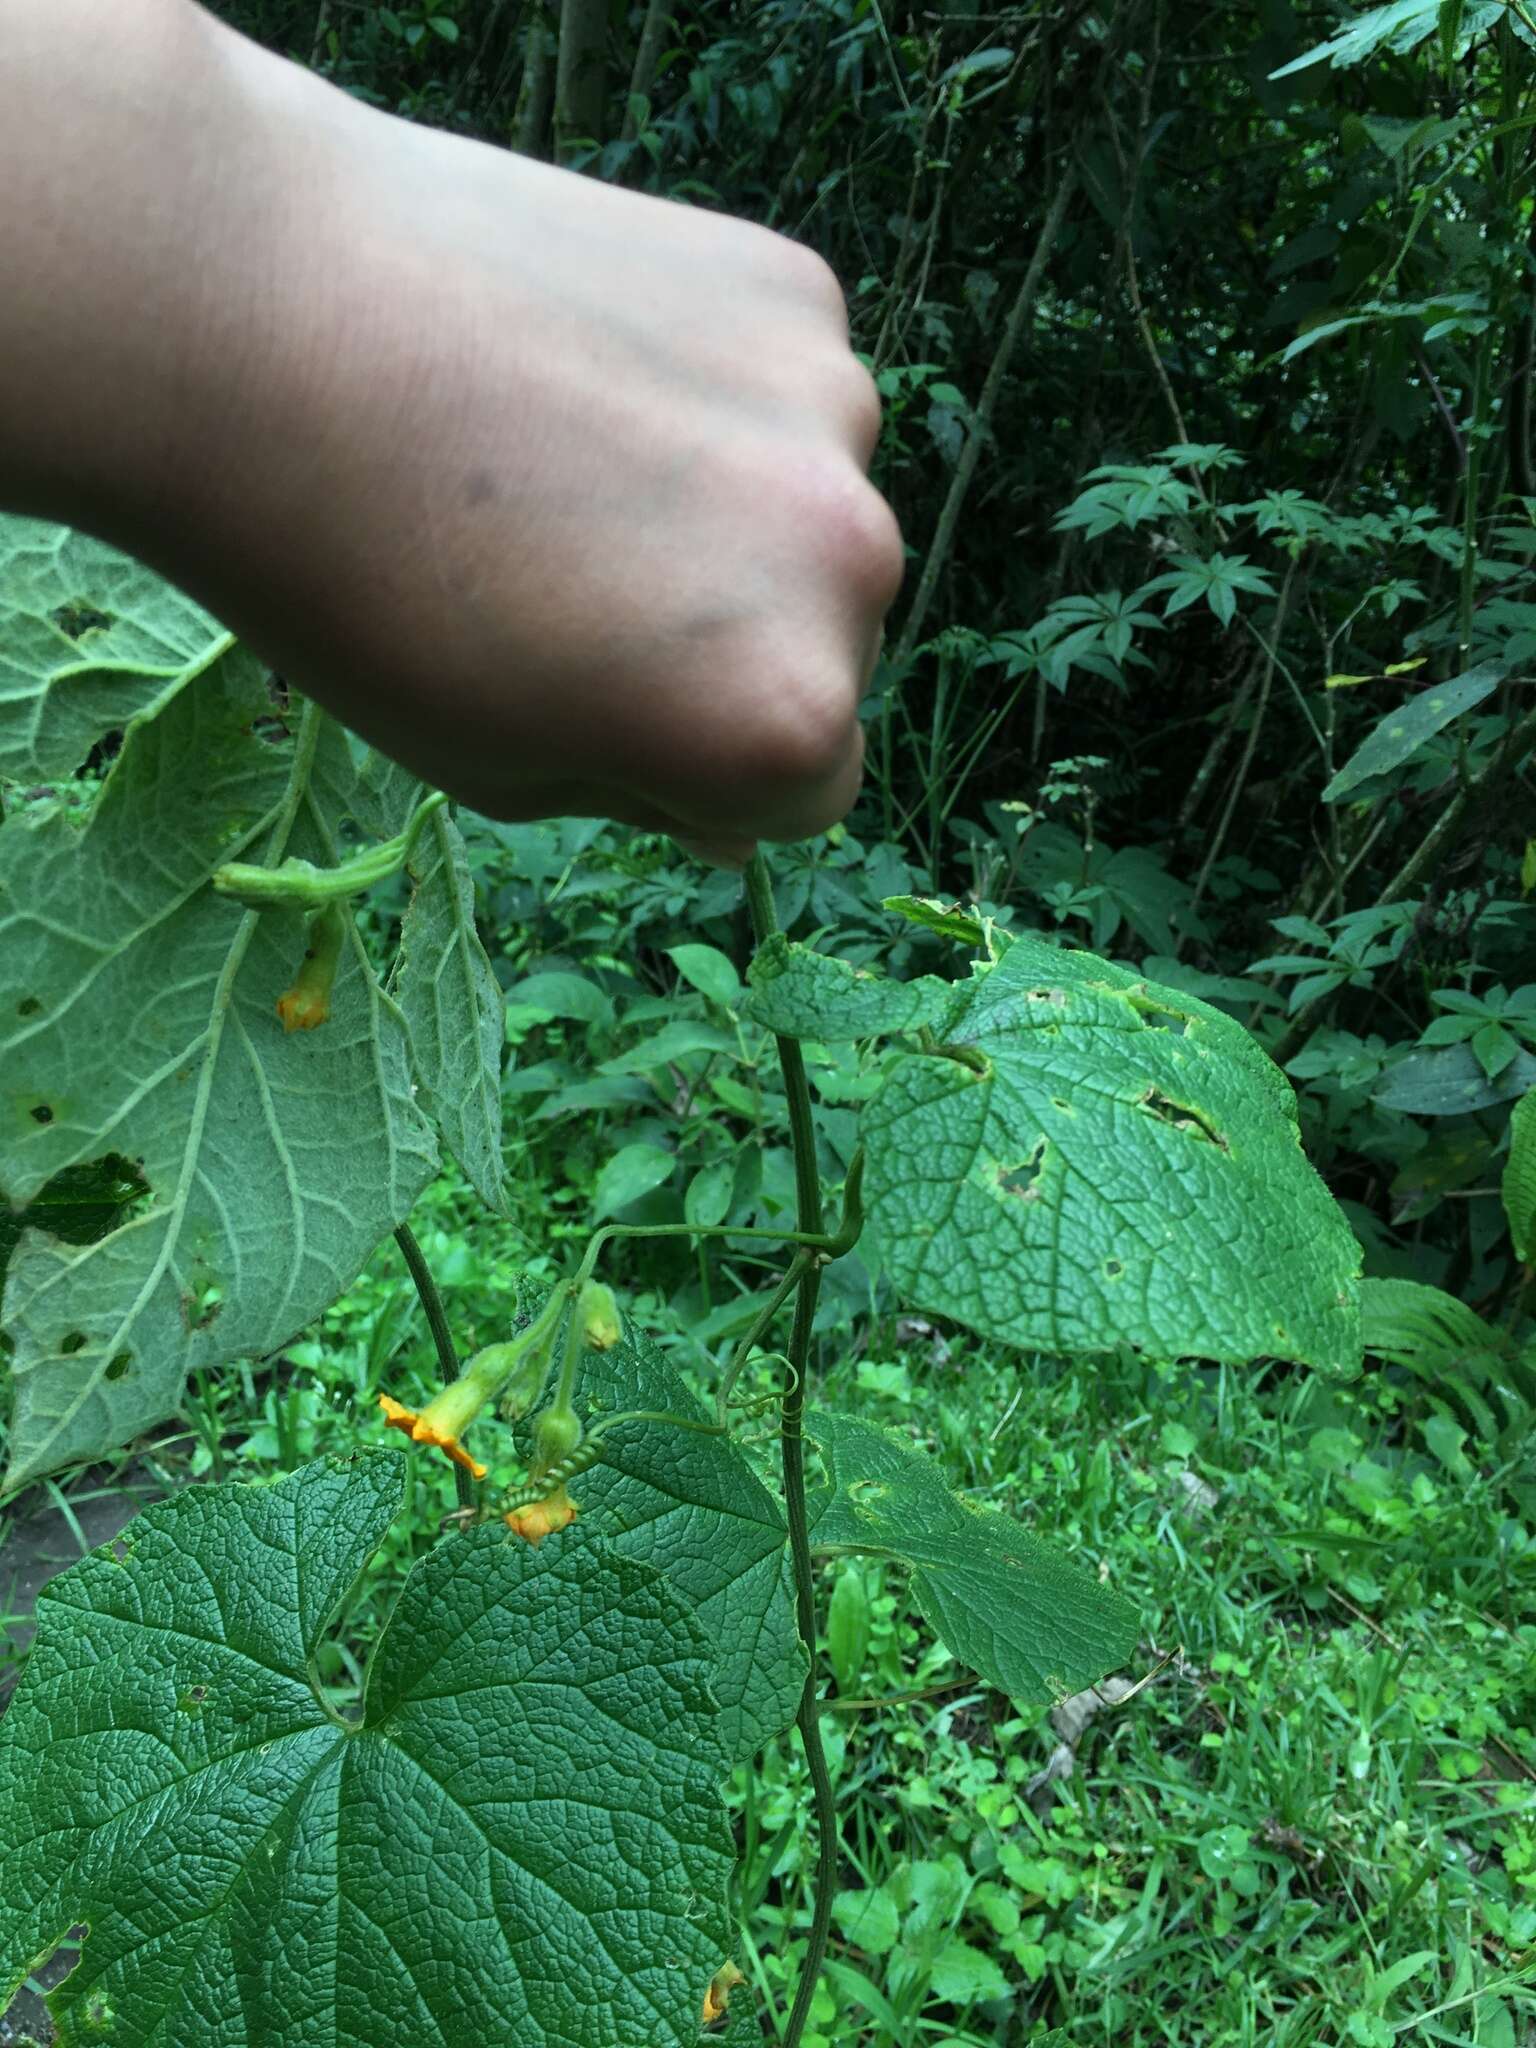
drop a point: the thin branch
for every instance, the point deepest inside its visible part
(765, 921)
(1458, 439)
(965, 469)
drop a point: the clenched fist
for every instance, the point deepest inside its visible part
(555, 492)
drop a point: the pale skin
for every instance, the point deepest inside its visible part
(554, 491)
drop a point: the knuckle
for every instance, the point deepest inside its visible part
(858, 533)
(803, 727)
(883, 554)
(864, 407)
(813, 275)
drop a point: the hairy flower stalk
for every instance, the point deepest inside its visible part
(299, 885)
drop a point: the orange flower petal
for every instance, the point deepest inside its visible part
(424, 1433)
(541, 1518)
(301, 1009)
(398, 1416)
(721, 1985)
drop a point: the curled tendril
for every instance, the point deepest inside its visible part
(764, 1403)
(536, 1490)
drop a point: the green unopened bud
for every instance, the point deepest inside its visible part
(556, 1434)
(598, 1314)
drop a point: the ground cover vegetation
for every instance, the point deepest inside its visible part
(1204, 723)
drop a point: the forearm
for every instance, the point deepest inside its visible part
(553, 491)
(141, 254)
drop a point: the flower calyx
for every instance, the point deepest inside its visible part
(556, 1434)
(598, 1314)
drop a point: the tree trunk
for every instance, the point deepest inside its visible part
(658, 19)
(580, 83)
(530, 126)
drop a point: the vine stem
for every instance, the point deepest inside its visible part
(802, 1131)
(442, 1336)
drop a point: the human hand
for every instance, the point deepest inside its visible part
(553, 491)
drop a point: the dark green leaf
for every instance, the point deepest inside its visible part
(948, 923)
(1402, 732)
(692, 1506)
(708, 970)
(1023, 1617)
(1447, 1081)
(559, 994)
(523, 1840)
(631, 1172)
(810, 995)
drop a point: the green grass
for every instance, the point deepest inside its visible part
(1316, 1823)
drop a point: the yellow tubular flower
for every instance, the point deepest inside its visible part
(430, 1427)
(446, 1417)
(717, 1997)
(308, 1003)
(598, 1312)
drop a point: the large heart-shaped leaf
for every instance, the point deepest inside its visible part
(522, 1840)
(137, 1018)
(1022, 1616)
(1078, 1159)
(89, 639)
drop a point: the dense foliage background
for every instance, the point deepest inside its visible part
(1206, 341)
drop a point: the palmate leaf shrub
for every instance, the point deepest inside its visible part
(216, 1105)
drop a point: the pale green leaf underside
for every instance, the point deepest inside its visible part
(454, 1008)
(524, 1841)
(137, 1016)
(1088, 1160)
(1519, 1181)
(1403, 731)
(692, 1506)
(1025, 1618)
(440, 979)
(89, 639)
(811, 995)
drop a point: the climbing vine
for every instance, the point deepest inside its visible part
(521, 1835)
